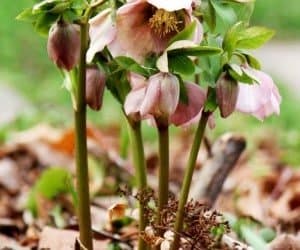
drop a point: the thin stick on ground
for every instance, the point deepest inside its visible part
(225, 153)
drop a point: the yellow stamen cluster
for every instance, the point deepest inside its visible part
(164, 22)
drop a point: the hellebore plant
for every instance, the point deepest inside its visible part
(145, 52)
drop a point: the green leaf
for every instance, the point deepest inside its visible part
(79, 4)
(267, 234)
(254, 37)
(211, 102)
(27, 15)
(210, 16)
(58, 217)
(225, 13)
(207, 79)
(70, 16)
(253, 239)
(252, 61)
(129, 64)
(51, 6)
(239, 1)
(244, 11)
(117, 82)
(181, 64)
(185, 34)
(183, 95)
(241, 74)
(44, 23)
(122, 222)
(53, 181)
(196, 51)
(114, 246)
(231, 37)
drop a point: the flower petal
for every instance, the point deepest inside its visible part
(137, 81)
(102, 32)
(186, 112)
(169, 94)
(134, 101)
(198, 35)
(134, 32)
(152, 96)
(171, 5)
(259, 100)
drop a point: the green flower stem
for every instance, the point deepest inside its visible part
(83, 209)
(140, 169)
(163, 185)
(188, 179)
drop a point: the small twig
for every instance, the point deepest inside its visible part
(285, 176)
(207, 145)
(111, 236)
(234, 244)
(225, 153)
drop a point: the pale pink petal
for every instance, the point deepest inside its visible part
(198, 35)
(151, 99)
(171, 5)
(102, 32)
(260, 100)
(137, 81)
(211, 121)
(187, 112)
(251, 97)
(169, 94)
(134, 101)
(116, 49)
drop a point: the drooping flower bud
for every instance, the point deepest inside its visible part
(64, 45)
(227, 92)
(95, 84)
(162, 96)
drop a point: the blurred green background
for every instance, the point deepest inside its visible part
(24, 66)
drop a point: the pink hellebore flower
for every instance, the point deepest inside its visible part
(102, 32)
(159, 97)
(146, 26)
(259, 100)
(185, 113)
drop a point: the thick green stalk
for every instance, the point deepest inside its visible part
(163, 184)
(140, 169)
(83, 209)
(188, 179)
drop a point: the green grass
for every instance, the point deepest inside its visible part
(283, 16)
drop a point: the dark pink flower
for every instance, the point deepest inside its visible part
(64, 45)
(95, 84)
(227, 92)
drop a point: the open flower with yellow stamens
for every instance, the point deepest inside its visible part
(145, 27)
